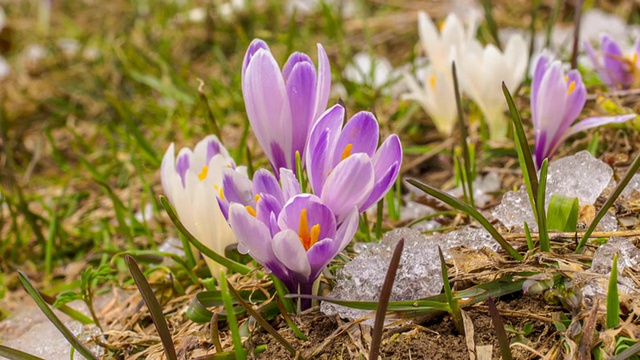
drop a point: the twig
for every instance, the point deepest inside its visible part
(573, 235)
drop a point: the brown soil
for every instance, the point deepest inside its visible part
(434, 338)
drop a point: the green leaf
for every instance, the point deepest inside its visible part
(613, 301)
(77, 344)
(522, 147)
(468, 177)
(227, 300)
(155, 310)
(66, 297)
(14, 354)
(543, 233)
(454, 306)
(562, 214)
(461, 206)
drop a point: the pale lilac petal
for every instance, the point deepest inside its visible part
(264, 182)
(301, 89)
(613, 63)
(361, 134)
(347, 230)
(268, 108)
(255, 45)
(253, 236)
(573, 107)
(538, 74)
(321, 145)
(323, 84)
(290, 252)
(597, 121)
(319, 255)
(236, 187)
(386, 167)
(539, 151)
(266, 207)
(348, 185)
(293, 60)
(317, 213)
(289, 183)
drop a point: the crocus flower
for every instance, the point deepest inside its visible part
(294, 243)
(482, 71)
(556, 101)
(442, 44)
(436, 96)
(617, 70)
(282, 105)
(343, 165)
(191, 183)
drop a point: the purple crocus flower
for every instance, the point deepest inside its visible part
(556, 102)
(295, 242)
(282, 105)
(616, 70)
(345, 166)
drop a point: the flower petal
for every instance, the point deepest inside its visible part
(301, 89)
(386, 167)
(290, 185)
(359, 135)
(268, 108)
(290, 252)
(323, 84)
(319, 255)
(348, 185)
(237, 187)
(253, 236)
(597, 121)
(321, 146)
(265, 183)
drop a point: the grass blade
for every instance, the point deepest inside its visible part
(491, 23)
(612, 198)
(613, 301)
(240, 351)
(256, 315)
(74, 341)
(383, 301)
(14, 354)
(154, 307)
(498, 325)
(229, 264)
(543, 233)
(288, 320)
(633, 350)
(527, 234)
(524, 152)
(461, 206)
(576, 34)
(463, 135)
(454, 306)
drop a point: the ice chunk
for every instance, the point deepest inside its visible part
(412, 211)
(628, 255)
(632, 187)
(419, 273)
(581, 175)
(483, 186)
(361, 279)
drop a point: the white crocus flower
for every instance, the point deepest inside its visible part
(482, 71)
(436, 96)
(374, 71)
(441, 45)
(192, 182)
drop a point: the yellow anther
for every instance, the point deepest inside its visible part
(432, 81)
(347, 151)
(257, 197)
(203, 173)
(634, 58)
(250, 210)
(219, 190)
(303, 230)
(441, 24)
(572, 86)
(315, 234)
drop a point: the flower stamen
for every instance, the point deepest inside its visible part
(203, 173)
(250, 210)
(347, 151)
(219, 190)
(307, 239)
(572, 85)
